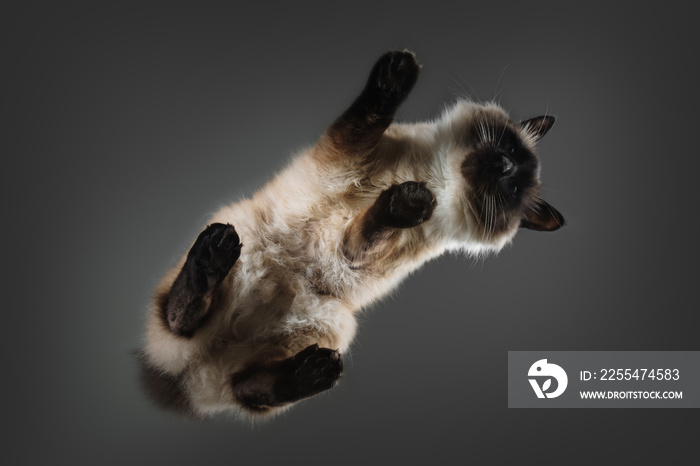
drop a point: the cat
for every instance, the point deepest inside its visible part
(256, 315)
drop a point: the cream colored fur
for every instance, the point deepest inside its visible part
(292, 285)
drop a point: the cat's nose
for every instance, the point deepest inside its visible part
(507, 166)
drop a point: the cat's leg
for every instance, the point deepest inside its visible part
(401, 206)
(200, 281)
(358, 130)
(261, 387)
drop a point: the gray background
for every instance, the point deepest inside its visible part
(123, 127)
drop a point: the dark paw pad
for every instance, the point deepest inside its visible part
(411, 204)
(310, 371)
(394, 75)
(216, 250)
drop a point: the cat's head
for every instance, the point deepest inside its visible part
(496, 170)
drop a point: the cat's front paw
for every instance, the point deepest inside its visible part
(411, 203)
(393, 77)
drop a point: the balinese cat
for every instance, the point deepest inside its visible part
(255, 317)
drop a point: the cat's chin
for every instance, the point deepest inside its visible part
(485, 236)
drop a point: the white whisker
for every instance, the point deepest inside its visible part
(496, 91)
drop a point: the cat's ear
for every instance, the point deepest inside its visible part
(537, 127)
(542, 217)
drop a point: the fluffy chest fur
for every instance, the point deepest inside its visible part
(294, 272)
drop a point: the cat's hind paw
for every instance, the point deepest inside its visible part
(309, 372)
(216, 250)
